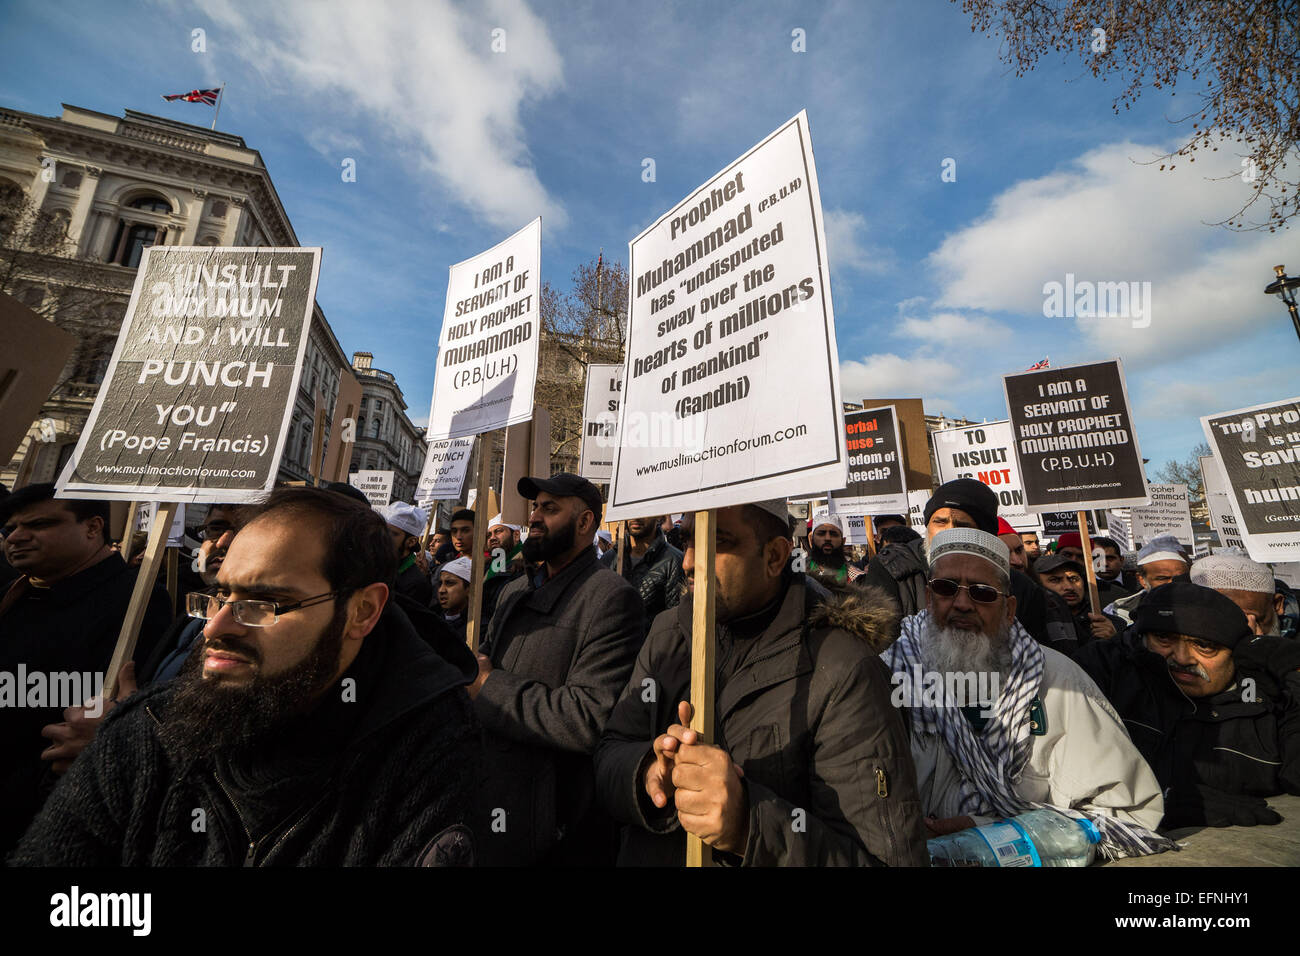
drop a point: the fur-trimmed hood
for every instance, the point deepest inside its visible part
(866, 611)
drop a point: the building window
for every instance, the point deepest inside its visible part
(151, 204)
(218, 209)
(72, 179)
(374, 428)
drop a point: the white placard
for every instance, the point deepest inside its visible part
(727, 289)
(600, 422)
(916, 502)
(144, 522)
(987, 453)
(376, 485)
(487, 350)
(444, 471)
(1168, 513)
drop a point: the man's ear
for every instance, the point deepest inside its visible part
(95, 528)
(364, 609)
(1279, 604)
(776, 555)
(1011, 608)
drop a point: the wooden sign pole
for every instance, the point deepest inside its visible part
(424, 538)
(702, 658)
(473, 627)
(173, 576)
(153, 556)
(1087, 562)
(622, 547)
(128, 533)
(871, 538)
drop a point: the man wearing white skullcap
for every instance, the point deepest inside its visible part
(453, 594)
(405, 525)
(1002, 725)
(1247, 584)
(826, 560)
(1161, 560)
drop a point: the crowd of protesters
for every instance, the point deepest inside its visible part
(315, 700)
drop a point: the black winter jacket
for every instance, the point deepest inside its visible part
(373, 781)
(656, 575)
(1214, 756)
(803, 706)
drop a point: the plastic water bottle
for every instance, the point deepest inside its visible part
(1036, 838)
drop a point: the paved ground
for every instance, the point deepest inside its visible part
(1235, 846)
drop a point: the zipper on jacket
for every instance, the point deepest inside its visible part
(252, 844)
(882, 783)
(882, 790)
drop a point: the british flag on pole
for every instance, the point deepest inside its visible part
(195, 96)
(1037, 365)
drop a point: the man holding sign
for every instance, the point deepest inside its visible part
(808, 764)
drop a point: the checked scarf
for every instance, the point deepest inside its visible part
(991, 762)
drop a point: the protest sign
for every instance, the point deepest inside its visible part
(1289, 572)
(444, 471)
(985, 452)
(916, 502)
(487, 350)
(144, 516)
(376, 485)
(875, 475)
(727, 288)
(32, 354)
(915, 437)
(1074, 438)
(196, 401)
(600, 421)
(1258, 450)
(1119, 528)
(855, 525)
(1057, 523)
(1168, 513)
(343, 427)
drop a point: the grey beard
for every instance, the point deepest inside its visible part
(949, 650)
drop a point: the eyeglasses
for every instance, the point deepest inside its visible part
(979, 593)
(248, 613)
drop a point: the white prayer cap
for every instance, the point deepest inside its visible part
(775, 507)
(496, 522)
(1231, 570)
(461, 567)
(833, 520)
(971, 541)
(603, 535)
(406, 517)
(1163, 547)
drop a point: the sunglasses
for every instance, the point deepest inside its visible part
(979, 593)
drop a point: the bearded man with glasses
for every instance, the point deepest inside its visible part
(1002, 725)
(312, 724)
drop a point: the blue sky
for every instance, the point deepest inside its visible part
(938, 286)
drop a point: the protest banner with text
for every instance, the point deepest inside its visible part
(444, 471)
(985, 452)
(1075, 442)
(1258, 450)
(600, 422)
(377, 486)
(196, 401)
(727, 288)
(1168, 513)
(876, 481)
(487, 349)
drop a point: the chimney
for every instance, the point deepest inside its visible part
(362, 360)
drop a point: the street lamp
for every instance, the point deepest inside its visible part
(1284, 288)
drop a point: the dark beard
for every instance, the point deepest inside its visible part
(834, 560)
(204, 720)
(549, 546)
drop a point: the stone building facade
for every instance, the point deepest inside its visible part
(385, 438)
(106, 187)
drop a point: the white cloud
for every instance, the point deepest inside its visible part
(1109, 218)
(953, 329)
(423, 75)
(846, 247)
(886, 374)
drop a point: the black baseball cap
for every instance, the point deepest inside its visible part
(1052, 562)
(564, 485)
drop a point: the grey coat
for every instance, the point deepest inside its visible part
(805, 711)
(561, 654)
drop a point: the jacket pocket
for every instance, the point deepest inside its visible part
(888, 817)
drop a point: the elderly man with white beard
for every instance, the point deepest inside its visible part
(1044, 737)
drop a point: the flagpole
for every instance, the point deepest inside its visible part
(218, 112)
